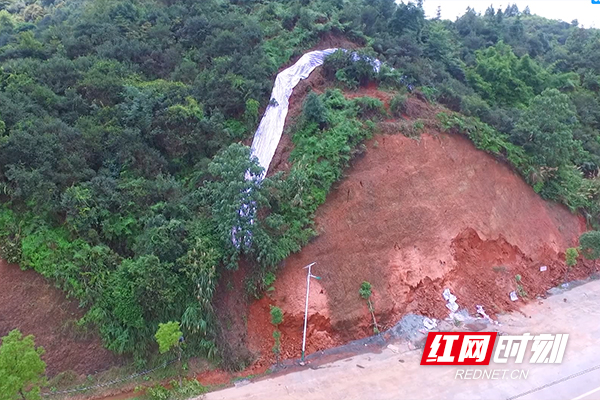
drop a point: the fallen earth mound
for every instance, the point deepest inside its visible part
(413, 217)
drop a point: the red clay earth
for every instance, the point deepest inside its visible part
(413, 217)
(28, 302)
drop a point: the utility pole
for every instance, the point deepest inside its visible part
(308, 276)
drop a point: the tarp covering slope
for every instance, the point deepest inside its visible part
(268, 134)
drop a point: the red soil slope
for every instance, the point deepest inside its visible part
(414, 217)
(28, 302)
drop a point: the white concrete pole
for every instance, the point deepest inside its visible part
(308, 276)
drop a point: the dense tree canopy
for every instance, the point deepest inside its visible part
(122, 175)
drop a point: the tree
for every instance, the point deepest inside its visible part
(546, 129)
(21, 368)
(276, 319)
(590, 245)
(233, 196)
(439, 44)
(167, 336)
(408, 17)
(496, 76)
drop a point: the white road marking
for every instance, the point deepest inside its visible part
(587, 394)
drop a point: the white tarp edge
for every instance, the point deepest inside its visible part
(268, 134)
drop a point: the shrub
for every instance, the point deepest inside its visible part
(314, 110)
(369, 107)
(590, 245)
(276, 315)
(398, 105)
(365, 290)
(571, 255)
(168, 336)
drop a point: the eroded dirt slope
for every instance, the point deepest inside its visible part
(413, 217)
(29, 303)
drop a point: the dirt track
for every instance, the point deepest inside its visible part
(413, 217)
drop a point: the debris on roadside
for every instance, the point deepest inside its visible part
(481, 311)
(450, 300)
(393, 348)
(430, 323)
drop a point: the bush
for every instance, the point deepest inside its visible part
(369, 107)
(365, 290)
(352, 69)
(398, 105)
(178, 391)
(571, 255)
(276, 315)
(314, 110)
(590, 245)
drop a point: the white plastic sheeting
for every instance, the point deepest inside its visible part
(270, 129)
(268, 134)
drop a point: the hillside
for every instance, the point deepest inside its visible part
(124, 170)
(414, 216)
(29, 303)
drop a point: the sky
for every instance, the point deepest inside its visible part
(584, 11)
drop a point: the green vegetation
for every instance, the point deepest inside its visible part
(178, 391)
(121, 172)
(571, 255)
(276, 315)
(520, 289)
(276, 319)
(365, 292)
(21, 368)
(168, 336)
(589, 243)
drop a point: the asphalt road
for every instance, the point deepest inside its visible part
(398, 375)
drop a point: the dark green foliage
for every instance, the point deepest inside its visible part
(546, 129)
(351, 69)
(370, 108)
(314, 110)
(365, 290)
(398, 105)
(590, 245)
(276, 315)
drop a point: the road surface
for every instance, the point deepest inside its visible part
(398, 375)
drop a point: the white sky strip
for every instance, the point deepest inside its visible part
(584, 11)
